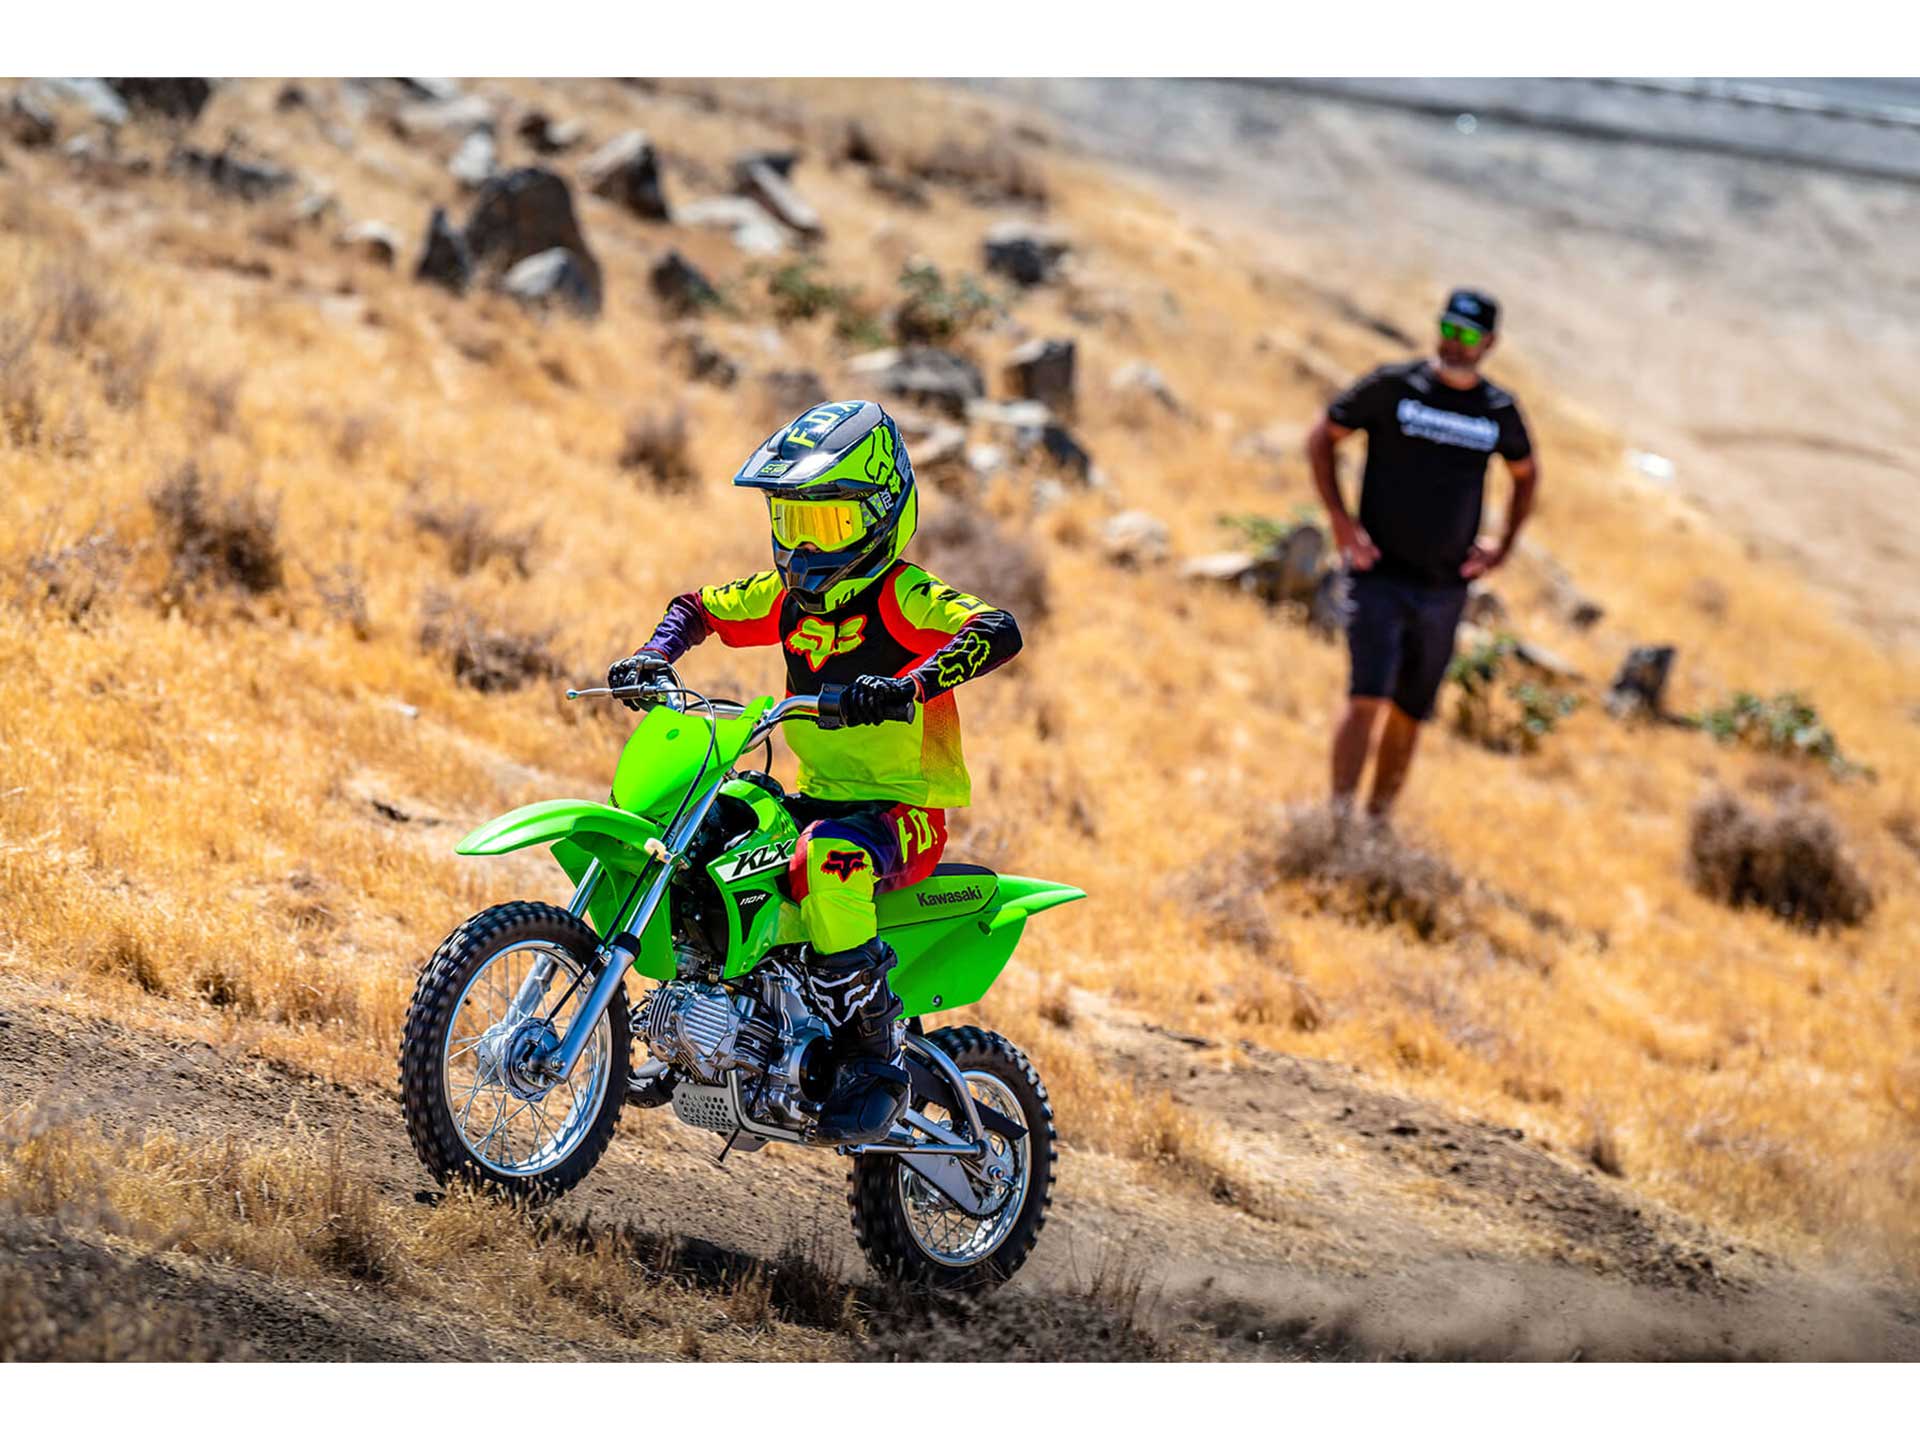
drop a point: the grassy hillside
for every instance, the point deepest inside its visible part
(259, 496)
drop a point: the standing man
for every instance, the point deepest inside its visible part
(1431, 425)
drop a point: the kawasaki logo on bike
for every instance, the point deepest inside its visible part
(949, 897)
(761, 857)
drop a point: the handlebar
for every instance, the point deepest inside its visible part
(823, 709)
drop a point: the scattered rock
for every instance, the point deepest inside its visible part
(371, 240)
(1026, 254)
(547, 136)
(555, 275)
(1289, 570)
(754, 231)
(176, 97)
(941, 447)
(759, 179)
(429, 87)
(449, 118)
(1043, 370)
(316, 207)
(626, 171)
(1484, 608)
(1567, 599)
(473, 163)
(680, 286)
(856, 145)
(700, 359)
(29, 123)
(1545, 660)
(1133, 538)
(1141, 382)
(1640, 686)
(527, 212)
(96, 97)
(1029, 426)
(250, 180)
(924, 375)
(781, 162)
(446, 260)
(790, 392)
(290, 98)
(1300, 553)
(1066, 453)
(901, 189)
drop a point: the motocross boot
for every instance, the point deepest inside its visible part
(849, 990)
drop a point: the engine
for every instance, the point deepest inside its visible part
(770, 1043)
(705, 1031)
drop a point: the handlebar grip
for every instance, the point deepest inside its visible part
(902, 710)
(830, 717)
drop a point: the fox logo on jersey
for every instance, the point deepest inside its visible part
(818, 641)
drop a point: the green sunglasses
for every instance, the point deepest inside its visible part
(1465, 334)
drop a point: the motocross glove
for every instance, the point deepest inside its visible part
(636, 669)
(874, 698)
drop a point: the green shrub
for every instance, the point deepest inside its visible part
(1783, 724)
(1500, 713)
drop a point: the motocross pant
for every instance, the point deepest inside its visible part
(848, 853)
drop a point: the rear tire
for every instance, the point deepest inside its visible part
(878, 1192)
(439, 1138)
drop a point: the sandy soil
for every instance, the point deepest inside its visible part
(1755, 322)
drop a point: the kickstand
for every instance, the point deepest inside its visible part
(720, 1160)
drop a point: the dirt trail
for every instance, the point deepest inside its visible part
(1395, 1229)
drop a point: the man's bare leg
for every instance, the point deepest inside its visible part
(1392, 760)
(1352, 739)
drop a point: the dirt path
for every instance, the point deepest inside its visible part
(1398, 1230)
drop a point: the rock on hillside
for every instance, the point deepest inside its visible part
(526, 212)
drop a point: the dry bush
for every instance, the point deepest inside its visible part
(990, 171)
(72, 308)
(656, 445)
(343, 596)
(483, 656)
(216, 536)
(125, 371)
(473, 537)
(1791, 862)
(968, 550)
(218, 398)
(74, 580)
(1602, 1149)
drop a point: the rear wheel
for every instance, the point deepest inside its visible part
(478, 1106)
(911, 1232)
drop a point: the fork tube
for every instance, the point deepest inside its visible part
(583, 893)
(618, 956)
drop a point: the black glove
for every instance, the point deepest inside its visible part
(874, 698)
(636, 669)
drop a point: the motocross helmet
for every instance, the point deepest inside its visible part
(840, 500)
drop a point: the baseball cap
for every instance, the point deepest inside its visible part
(1472, 307)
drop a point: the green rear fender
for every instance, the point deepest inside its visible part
(580, 832)
(952, 942)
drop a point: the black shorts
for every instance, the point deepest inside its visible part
(1400, 634)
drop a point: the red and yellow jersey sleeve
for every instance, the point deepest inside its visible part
(961, 636)
(744, 611)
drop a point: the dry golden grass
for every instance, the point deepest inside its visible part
(232, 813)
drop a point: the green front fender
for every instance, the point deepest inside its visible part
(579, 832)
(946, 963)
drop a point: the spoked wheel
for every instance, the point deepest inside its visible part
(909, 1230)
(478, 1103)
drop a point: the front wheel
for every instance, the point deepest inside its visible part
(911, 1232)
(477, 1103)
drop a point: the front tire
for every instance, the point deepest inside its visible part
(910, 1233)
(469, 1117)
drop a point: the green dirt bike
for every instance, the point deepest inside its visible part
(515, 1062)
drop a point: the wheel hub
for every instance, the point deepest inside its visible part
(519, 1057)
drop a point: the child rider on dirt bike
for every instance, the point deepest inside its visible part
(846, 609)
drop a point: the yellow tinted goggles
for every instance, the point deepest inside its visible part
(828, 524)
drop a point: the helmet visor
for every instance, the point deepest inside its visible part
(824, 524)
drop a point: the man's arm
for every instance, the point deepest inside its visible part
(1349, 535)
(1526, 480)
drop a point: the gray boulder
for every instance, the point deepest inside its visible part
(700, 359)
(1043, 370)
(1640, 686)
(96, 97)
(29, 123)
(937, 378)
(547, 136)
(371, 240)
(626, 171)
(250, 180)
(791, 392)
(754, 231)
(762, 182)
(1145, 387)
(473, 163)
(1026, 254)
(526, 212)
(450, 118)
(556, 276)
(446, 260)
(679, 285)
(175, 97)
(1134, 539)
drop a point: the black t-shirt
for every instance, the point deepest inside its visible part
(1427, 449)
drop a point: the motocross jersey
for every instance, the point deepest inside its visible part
(904, 624)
